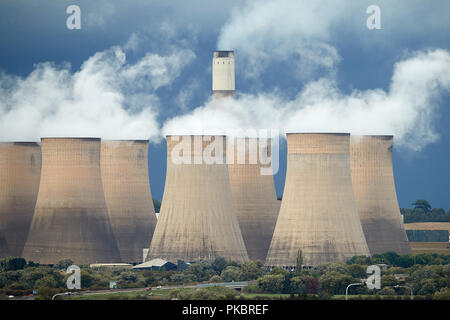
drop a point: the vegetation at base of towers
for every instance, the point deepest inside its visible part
(299, 262)
(427, 274)
(156, 204)
(422, 211)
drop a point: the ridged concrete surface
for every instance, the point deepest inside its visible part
(318, 212)
(376, 199)
(254, 196)
(71, 219)
(4, 250)
(197, 219)
(20, 171)
(124, 166)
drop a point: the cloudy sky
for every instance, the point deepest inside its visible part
(142, 69)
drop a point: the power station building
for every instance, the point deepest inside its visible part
(20, 171)
(318, 212)
(197, 219)
(376, 199)
(254, 196)
(223, 80)
(71, 218)
(124, 167)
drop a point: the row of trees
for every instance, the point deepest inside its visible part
(423, 212)
(427, 274)
(427, 281)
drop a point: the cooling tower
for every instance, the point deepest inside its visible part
(71, 219)
(128, 196)
(20, 171)
(4, 250)
(318, 212)
(197, 218)
(223, 73)
(376, 199)
(254, 196)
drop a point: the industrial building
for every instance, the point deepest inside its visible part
(376, 199)
(318, 212)
(20, 171)
(71, 218)
(254, 196)
(223, 80)
(156, 264)
(197, 218)
(124, 167)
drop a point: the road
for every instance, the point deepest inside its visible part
(202, 285)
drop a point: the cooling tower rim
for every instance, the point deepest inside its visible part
(322, 133)
(20, 143)
(126, 140)
(196, 135)
(381, 136)
(71, 138)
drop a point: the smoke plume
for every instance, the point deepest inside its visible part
(107, 97)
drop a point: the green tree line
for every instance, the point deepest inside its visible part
(423, 212)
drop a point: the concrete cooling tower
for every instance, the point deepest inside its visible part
(20, 171)
(197, 218)
(254, 197)
(223, 73)
(4, 250)
(124, 166)
(376, 199)
(71, 219)
(318, 213)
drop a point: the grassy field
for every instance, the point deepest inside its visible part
(155, 294)
(264, 295)
(160, 295)
(163, 294)
(433, 247)
(358, 297)
(427, 226)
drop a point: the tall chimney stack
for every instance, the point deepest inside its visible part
(223, 74)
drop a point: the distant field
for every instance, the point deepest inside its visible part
(433, 247)
(427, 226)
(264, 295)
(156, 295)
(160, 294)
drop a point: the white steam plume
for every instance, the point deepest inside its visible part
(107, 97)
(406, 110)
(284, 30)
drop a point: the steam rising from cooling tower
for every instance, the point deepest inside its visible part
(376, 199)
(197, 218)
(254, 197)
(20, 170)
(318, 213)
(71, 219)
(124, 166)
